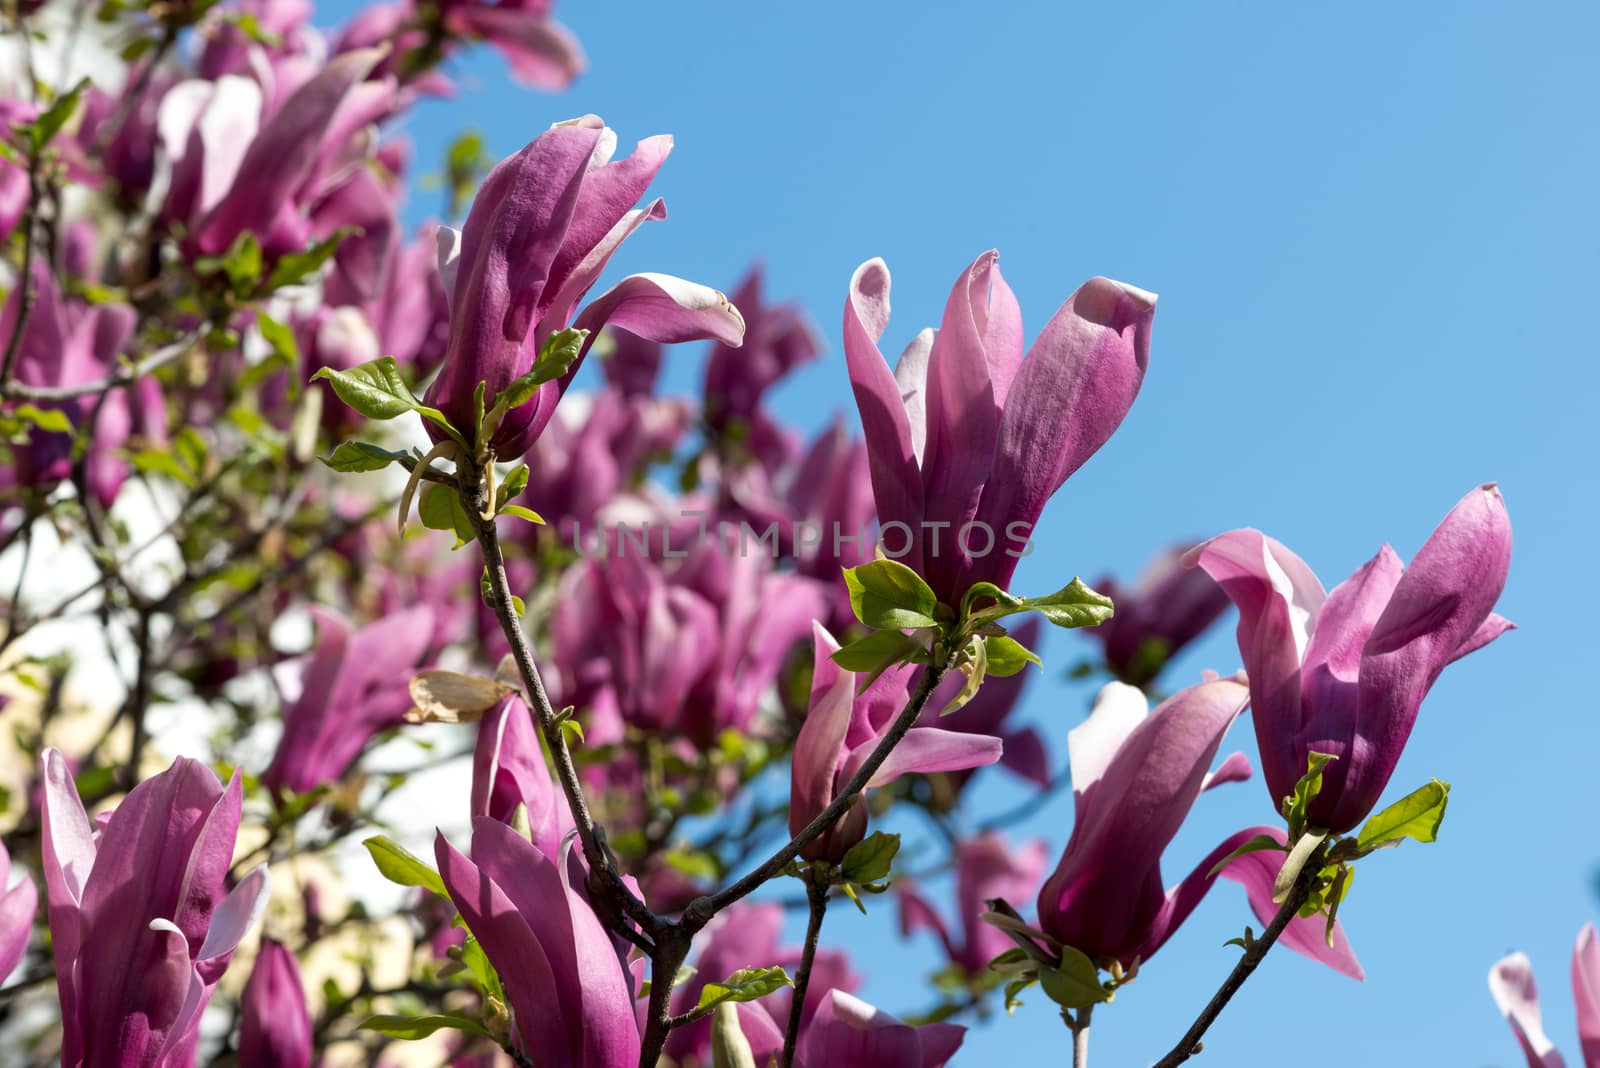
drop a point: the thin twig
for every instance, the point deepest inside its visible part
(1080, 1036)
(1189, 1044)
(817, 898)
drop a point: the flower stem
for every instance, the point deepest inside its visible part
(1189, 1044)
(1080, 1036)
(817, 897)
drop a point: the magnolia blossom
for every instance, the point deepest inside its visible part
(139, 921)
(1512, 986)
(967, 439)
(353, 685)
(543, 226)
(987, 867)
(568, 989)
(1135, 776)
(1345, 672)
(842, 730)
(274, 1023)
(846, 1032)
(747, 936)
(18, 903)
(987, 712)
(509, 771)
(1167, 607)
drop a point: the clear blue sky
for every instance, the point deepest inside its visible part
(1375, 236)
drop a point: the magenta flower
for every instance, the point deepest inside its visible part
(508, 770)
(18, 904)
(1514, 991)
(1135, 776)
(846, 1032)
(841, 730)
(68, 343)
(541, 52)
(274, 1023)
(987, 867)
(139, 921)
(354, 685)
(1168, 607)
(777, 339)
(747, 936)
(569, 992)
(1345, 672)
(542, 228)
(967, 439)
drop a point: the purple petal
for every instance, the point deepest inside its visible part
(1514, 991)
(1586, 993)
(925, 750)
(819, 748)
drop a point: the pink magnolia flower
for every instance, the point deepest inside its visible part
(846, 1032)
(18, 903)
(748, 936)
(274, 1023)
(967, 439)
(1025, 754)
(1167, 607)
(1135, 776)
(569, 991)
(139, 921)
(987, 867)
(354, 684)
(541, 229)
(1514, 991)
(1345, 672)
(509, 769)
(841, 730)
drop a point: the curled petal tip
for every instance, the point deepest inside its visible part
(1142, 297)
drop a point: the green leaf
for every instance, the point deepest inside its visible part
(522, 513)
(1007, 656)
(399, 865)
(510, 486)
(1074, 605)
(888, 595)
(876, 651)
(1005, 603)
(1416, 815)
(974, 664)
(51, 419)
(296, 267)
(377, 391)
(44, 129)
(1305, 791)
(870, 859)
(1076, 983)
(1336, 895)
(569, 726)
(465, 163)
(241, 263)
(415, 1027)
(1254, 845)
(361, 456)
(441, 510)
(1013, 988)
(746, 984)
(555, 359)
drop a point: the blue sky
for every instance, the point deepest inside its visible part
(1375, 234)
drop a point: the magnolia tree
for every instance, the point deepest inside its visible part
(308, 492)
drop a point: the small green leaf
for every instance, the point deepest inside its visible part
(888, 595)
(1013, 988)
(296, 267)
(870, 859)
(1305, 791)
(876, 651)
(512, 485)
(1075, 983)
(974, 664)
(241, 263)
(441, 509)
(1006, 656)
(415, 1027)
(375, 389)
(1254, 845)
(569, 726)
(399, 865)
(555, 359)
(1005, 603)
(1074, 605)
(746, 984)
(1337, 892)
(522, 513)
(361, 456)
(44, 129)
(1416, 815)
(53, 420)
